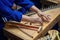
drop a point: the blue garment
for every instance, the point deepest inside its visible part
(6, 11)
(23, 10)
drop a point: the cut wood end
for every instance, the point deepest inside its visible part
(40, 28)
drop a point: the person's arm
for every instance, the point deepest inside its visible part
(30, 6)
(10, 14)
(43, 16)
(27, 4)
(32, 19)
(35, 9)
(14, 15)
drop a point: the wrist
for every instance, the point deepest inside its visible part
(26, 18)
(39, 11)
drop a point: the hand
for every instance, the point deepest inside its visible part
(36, 20)
(32, 19)
(44, 17)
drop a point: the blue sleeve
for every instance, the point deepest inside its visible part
(9, 13)
(27, 4)
(23, 10)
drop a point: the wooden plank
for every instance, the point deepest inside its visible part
(46, 26)
(55, 1)
(55, 16)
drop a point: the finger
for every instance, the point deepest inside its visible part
(41, 22)
(46, 18)
(42, 17)
(49, 17)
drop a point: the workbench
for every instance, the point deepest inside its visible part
(16, 34)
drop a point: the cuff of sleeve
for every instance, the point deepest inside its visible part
(29, 6)
(22, 10)
(15, 16)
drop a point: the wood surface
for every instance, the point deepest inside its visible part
(55, 1)
(21, 33)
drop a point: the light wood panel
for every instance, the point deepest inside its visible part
(55, 1)
(55, 15)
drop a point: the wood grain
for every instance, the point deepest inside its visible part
(55, 1)
(55, 17)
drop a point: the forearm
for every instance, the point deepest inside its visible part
(25, 18)
(35, 9)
